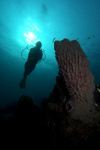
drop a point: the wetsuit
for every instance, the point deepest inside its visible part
(34, 56)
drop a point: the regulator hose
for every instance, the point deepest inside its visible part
(28, 48)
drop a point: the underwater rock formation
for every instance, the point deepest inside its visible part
(53, 130)
(75, 70)
(97, 94)
(25, 103)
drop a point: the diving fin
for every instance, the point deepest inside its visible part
(22, 83)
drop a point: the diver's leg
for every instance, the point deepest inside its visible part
(23, 81)
(29, 67)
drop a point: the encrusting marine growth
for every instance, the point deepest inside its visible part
(75, 70)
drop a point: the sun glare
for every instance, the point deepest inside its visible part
(30, 32)
(30, 37)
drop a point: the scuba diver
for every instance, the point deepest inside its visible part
(34, 56)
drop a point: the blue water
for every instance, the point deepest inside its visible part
(23, 22)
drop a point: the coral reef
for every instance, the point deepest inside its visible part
(75, 70)
(49, 126)
(97, 94)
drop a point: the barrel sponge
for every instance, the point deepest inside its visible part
(75, 69)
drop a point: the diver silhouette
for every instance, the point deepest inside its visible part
(34, 56)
